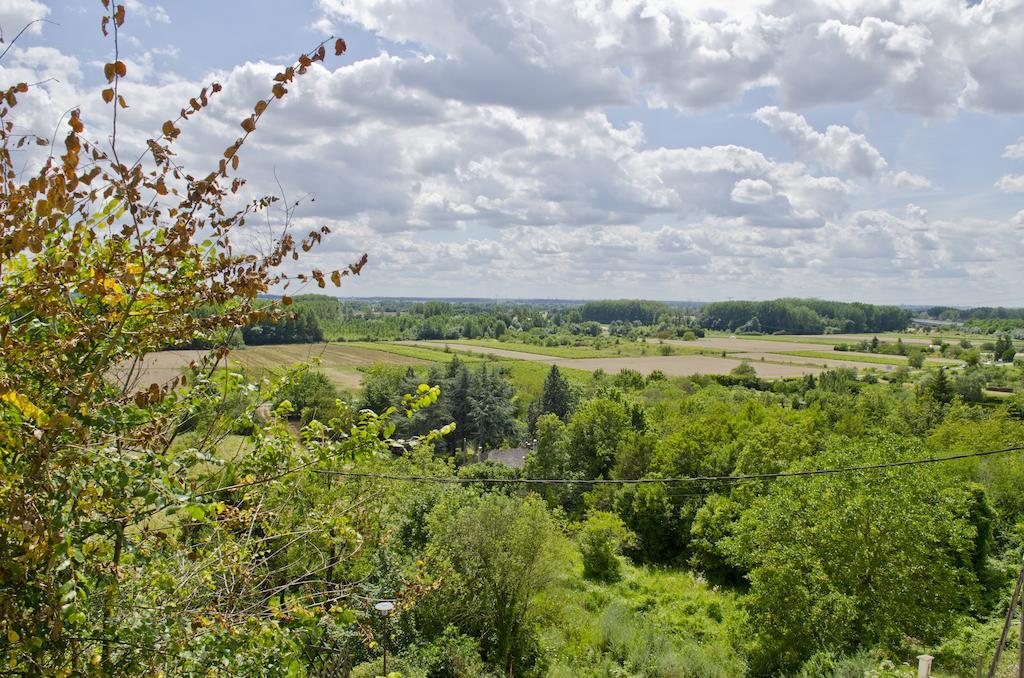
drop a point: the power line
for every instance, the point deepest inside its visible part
(686, 479)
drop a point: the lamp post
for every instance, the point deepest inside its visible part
(384, 609)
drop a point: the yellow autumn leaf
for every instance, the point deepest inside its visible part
(25, 406)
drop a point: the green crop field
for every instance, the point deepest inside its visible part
(344, 363)
(425, 352)
(551, 351)
(529, 376)
(879, 359)
(605, 349)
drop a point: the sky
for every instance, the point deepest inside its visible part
(868, 150)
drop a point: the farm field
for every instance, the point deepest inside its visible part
(481, 350)
(529, 375)
(622, 349)
(730, 344)
(417, 350)
(907, 338)
(872, 358)
(156, 368)
(343, 355)
(344, 363)
(672, 365)
(821, 340)
(340, 362)
(459, 374)
(685, 365)
(794, 359)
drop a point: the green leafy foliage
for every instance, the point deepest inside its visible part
(601, 539)
(644, 312)
(498, 553)
(120, 524)
(837, 561)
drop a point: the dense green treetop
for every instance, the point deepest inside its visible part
(802, 316)
(634, 310)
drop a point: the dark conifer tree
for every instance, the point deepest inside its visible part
(491, 409)
(557, 396)
(939, 388)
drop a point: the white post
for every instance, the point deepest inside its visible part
(924, 665)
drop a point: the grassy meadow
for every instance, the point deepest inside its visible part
(344, 363)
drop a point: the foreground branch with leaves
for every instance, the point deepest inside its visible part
(121, 545)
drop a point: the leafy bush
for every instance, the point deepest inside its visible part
(601, 540)
(451, 655)
(629, 379)
(312, 396)
(838, 562)
(498, 553)
(744, 369)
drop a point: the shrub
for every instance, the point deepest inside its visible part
(629, 379)
(499, 552)
(601, 539)
(312, 396)
(744, 369)
(900, 375)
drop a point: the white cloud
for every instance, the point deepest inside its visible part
(838, 148)
(533, 56)
(1015, 151)
(752, 191)
(17, 14)
(395, 158)
(855, 57)
(922, 57)
(39, 110)
(484, 150)
(1011, 183)
(863, 256)
(874, 243)
(907, 181)
(150, 14)
(994, 37)
(916, 212)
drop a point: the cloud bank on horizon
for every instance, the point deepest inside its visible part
(852, 149)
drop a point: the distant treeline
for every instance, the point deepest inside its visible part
(626, 310)
(301, 328)
(979, 313)
(308, 315)
(983, 319)
(323, 318)
(802, 316)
